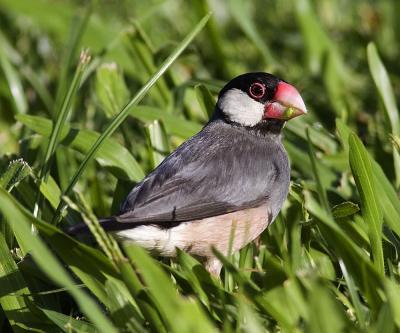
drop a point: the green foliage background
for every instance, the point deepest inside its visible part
(78, 129)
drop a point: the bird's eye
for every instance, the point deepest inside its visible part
(257, 90)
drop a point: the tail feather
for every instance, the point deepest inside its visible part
(108, 223)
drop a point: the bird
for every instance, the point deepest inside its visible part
(222, 187)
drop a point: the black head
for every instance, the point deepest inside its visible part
(253, 98)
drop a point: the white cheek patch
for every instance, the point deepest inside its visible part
(240, 108)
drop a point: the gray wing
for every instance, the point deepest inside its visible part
(219, 170)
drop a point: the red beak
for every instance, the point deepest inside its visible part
(286, 104)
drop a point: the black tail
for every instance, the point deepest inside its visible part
(108, 223)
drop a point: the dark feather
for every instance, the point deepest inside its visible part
(221, 169)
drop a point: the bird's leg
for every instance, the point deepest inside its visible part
(213, 266)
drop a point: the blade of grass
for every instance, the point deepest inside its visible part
(13, 80)
(68, 324)
(326, 315)
(20, 220)
(77, 29)
(144, 55)
(60, 119)
(124, 314)
(361, 269)
(321, 191)
(360, 313)
(214, 39)
(89, 264)
(63, 113)
(165, 297)
(384, 87)
(241, 12)
(360, 164)
(111, 89)
(158, 142)
(388, 198)
(37, 84)
(112, 155)
(205, 99)
(120, 117)
(14, 292)
(173, 125)
(17, 170)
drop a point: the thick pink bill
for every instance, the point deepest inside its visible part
(286, 104)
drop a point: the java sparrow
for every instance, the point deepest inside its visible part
(224, 185)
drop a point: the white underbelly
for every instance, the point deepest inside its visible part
(198, 237)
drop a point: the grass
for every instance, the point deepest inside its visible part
(78, 129)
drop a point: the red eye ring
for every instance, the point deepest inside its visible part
(257, 90)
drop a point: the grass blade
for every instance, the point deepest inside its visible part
(63, 114)
(77, 29)
(13, 80)
(205, 99)
(112, 155)
(320, 188)
(14, 292)
(111, 89)
(21, 221)
(382, 83)
(384, 87)
(17, 170)
(242, 14)
(173, 125)
(360, 164)
(360, 313)
(68, 324)
(166, 299)
(388, 198)
(158, 141)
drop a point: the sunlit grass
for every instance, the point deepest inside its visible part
(76, 135)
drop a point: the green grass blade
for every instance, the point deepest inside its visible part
(384, 87)
(63, 113)
(120, 117)
(13, 80)
(241, 12)
(388, 198)
(360, 164)
(173, 125)
(359, 311)
(68, 324)
(89, 264)
(111, 155)
(111, 89)
(145, 56)
(158, 141)
(366, 275)
(325, 314)
(214, 40)
(205, 99)
(14, 292)
(321, 191)
(393, 293)
(21, 221)
(168, 302)
(17, 170)
(37, 83)
(124, 314)
(77, 28)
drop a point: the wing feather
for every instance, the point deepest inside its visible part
(218, 171)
